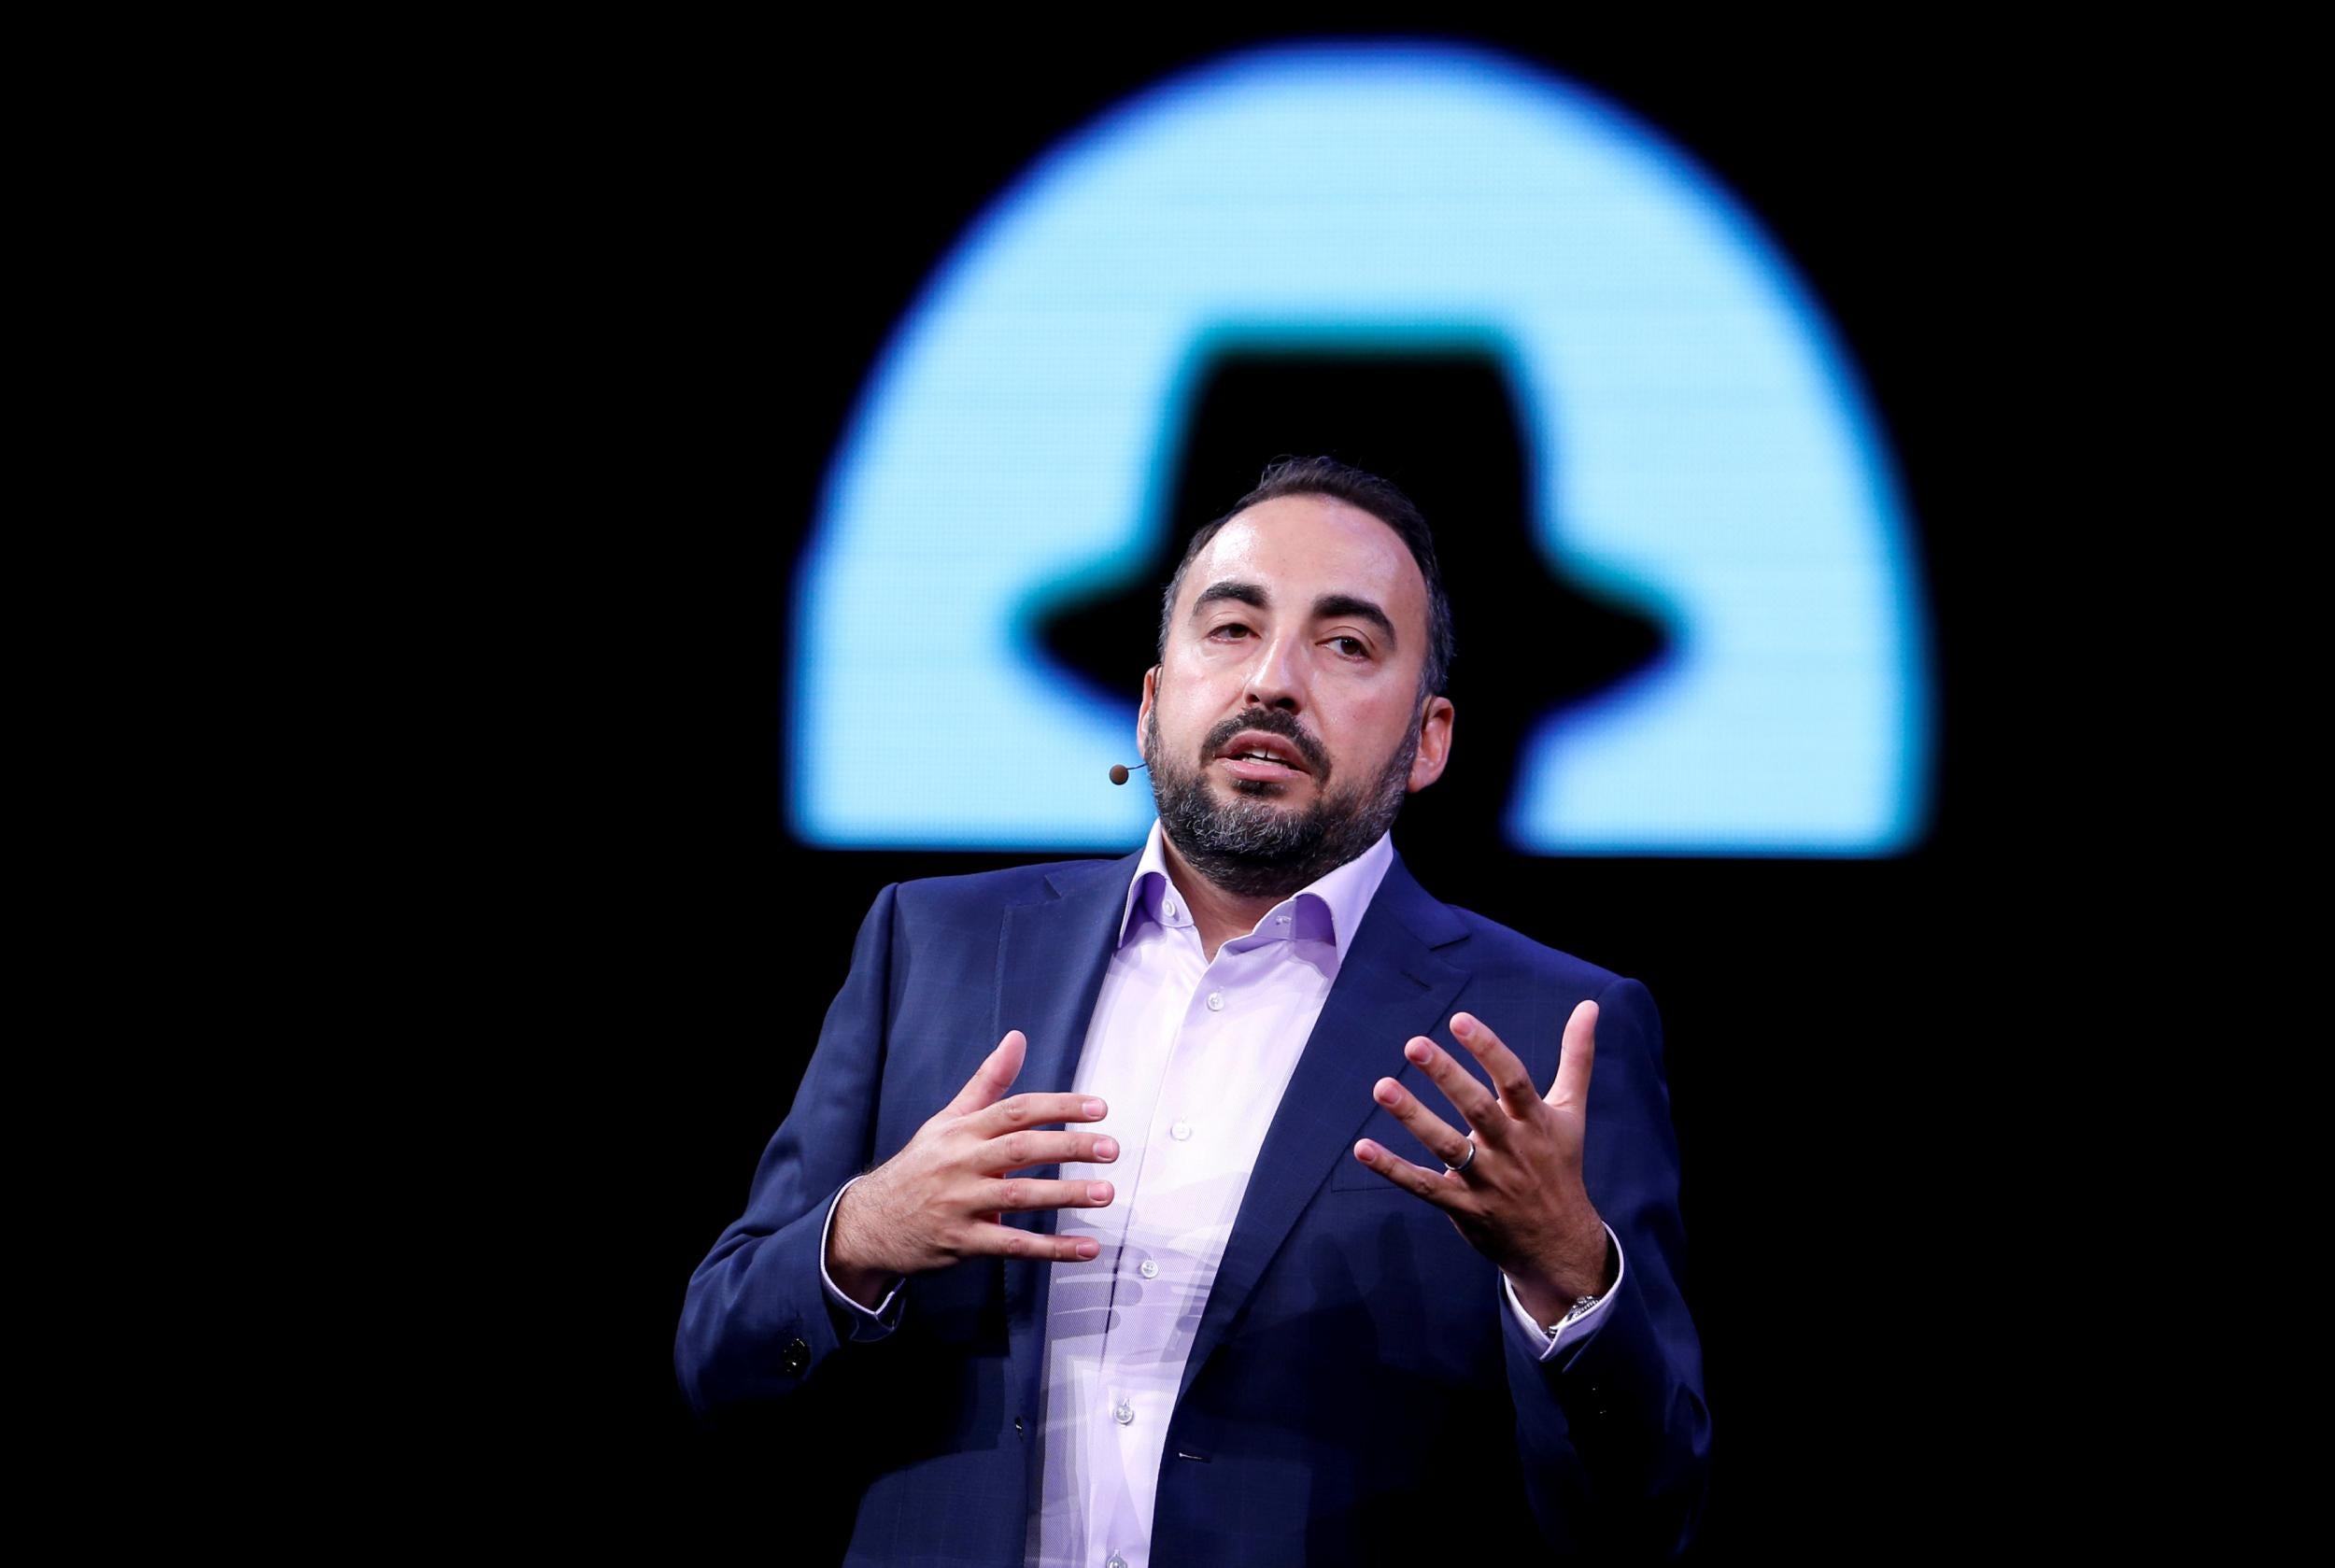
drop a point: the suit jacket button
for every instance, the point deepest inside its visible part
(1017, 1423)
(795, 1357)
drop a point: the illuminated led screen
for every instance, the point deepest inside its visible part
(1717, 458)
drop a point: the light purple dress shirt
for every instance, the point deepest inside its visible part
(1192, 1056)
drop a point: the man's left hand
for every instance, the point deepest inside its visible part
(1520, 1201)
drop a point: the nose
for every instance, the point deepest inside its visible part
(1277, 674)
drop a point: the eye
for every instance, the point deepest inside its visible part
(1230, 628)
(1352, 647)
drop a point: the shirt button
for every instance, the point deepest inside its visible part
(1123, 1412)
(1216, 1001)
(1115, 1561)
(1181, 1131)
(1171, 909)
(1150, 1269)
(1280, 920)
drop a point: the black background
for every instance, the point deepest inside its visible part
(725, 244)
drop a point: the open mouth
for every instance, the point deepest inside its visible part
(1253, 755)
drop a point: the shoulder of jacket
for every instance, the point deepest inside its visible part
(1493, 945)
(1008, 884)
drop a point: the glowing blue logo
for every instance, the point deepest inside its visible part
(1717, 458)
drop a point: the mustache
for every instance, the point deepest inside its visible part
(1272, 721)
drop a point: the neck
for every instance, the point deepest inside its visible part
(1218, 915)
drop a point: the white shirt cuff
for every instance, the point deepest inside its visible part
(1574, 1328)
(865, 1324)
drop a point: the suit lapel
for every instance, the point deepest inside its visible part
(1051, 959)
(1050, 968)
(1391, 985)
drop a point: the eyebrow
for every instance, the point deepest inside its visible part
(1326, 607)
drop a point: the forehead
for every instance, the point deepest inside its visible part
(1299, 547)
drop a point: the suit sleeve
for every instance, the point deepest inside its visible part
(1627, 1399)
(757, 1323)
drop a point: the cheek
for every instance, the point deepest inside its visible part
(1380, 728)
(1192, 690)
(1172, 718)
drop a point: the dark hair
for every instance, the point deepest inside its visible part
(1327, 476)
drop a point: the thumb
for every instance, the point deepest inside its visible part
(993, 1077)
(1579, 1053)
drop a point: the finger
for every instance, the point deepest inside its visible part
(993, 1077)
(1471, 1099)
(1508, 1073)
(1440, 1188)
(1026, 1192)
(1006, 1241)
(1442, 1140)
(1015, 1151)
(1017, 1112)
(1580, 1056)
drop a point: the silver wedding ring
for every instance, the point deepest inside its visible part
(1463, 1163)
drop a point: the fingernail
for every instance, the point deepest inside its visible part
(1098, 1192)
(1416, 1051)
(1106, 1149)
(1384, 1090)
(1462, 1024)
(1089, 1249)
(1364, 1150)
(1094, 1107)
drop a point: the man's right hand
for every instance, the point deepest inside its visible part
(942, 1197)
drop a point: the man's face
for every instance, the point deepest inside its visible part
(1283, 726)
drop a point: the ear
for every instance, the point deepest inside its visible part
(1435, 743)
(1143, 709)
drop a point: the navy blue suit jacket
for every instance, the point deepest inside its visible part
(1355, 1394)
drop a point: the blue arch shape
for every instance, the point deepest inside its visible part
(1718, 457)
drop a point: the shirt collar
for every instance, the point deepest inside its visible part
(1328, 910)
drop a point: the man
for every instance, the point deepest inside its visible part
(1202, 1206)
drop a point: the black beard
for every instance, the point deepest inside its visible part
(1249, 848)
